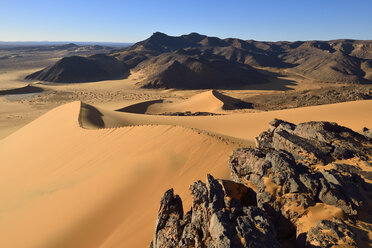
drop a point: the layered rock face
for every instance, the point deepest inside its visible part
(302, 186)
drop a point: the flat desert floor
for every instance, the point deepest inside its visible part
(85, 165)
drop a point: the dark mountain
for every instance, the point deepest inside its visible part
(182, 70)
(163, 43)
(199, 61)
(82, 69)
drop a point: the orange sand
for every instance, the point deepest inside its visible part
(65, 186)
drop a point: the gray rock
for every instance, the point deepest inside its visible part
(220, 229)
(255, 237)
(330, 233)
(168, 229)
(285, 188)
(281, 170)
(219, 217)
(314, 142)
(280, 124)
(263, 167)
(340, 190)
(312, 151)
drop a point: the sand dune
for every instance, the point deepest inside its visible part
(139, 108)
(82, 187)
(22, 90)
(67, 186)
(209, 101)
(248, 125)
(10, 79)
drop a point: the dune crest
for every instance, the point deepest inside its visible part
(244, 126)
(210, 101)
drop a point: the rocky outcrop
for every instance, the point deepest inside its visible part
(314, 142)
(294, 169)
(285, 189)
(223, 214)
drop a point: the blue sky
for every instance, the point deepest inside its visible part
(130, 21)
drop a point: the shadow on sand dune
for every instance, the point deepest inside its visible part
(209, 102)
(92, 117)
(139, 108)
(23, 90)
(230, 103)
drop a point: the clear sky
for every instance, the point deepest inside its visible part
(130, 21)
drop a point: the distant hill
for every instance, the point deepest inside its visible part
(199, 61)
(82, 69)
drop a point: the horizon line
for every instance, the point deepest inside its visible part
(133, 42)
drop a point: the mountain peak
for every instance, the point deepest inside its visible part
(158, 34)
(195, 34)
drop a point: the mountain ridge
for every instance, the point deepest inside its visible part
(343, 60)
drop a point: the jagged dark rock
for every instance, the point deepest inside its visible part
(220, 217)
(168, 226)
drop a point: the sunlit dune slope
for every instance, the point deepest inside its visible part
(209, 101)
(62, 185)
